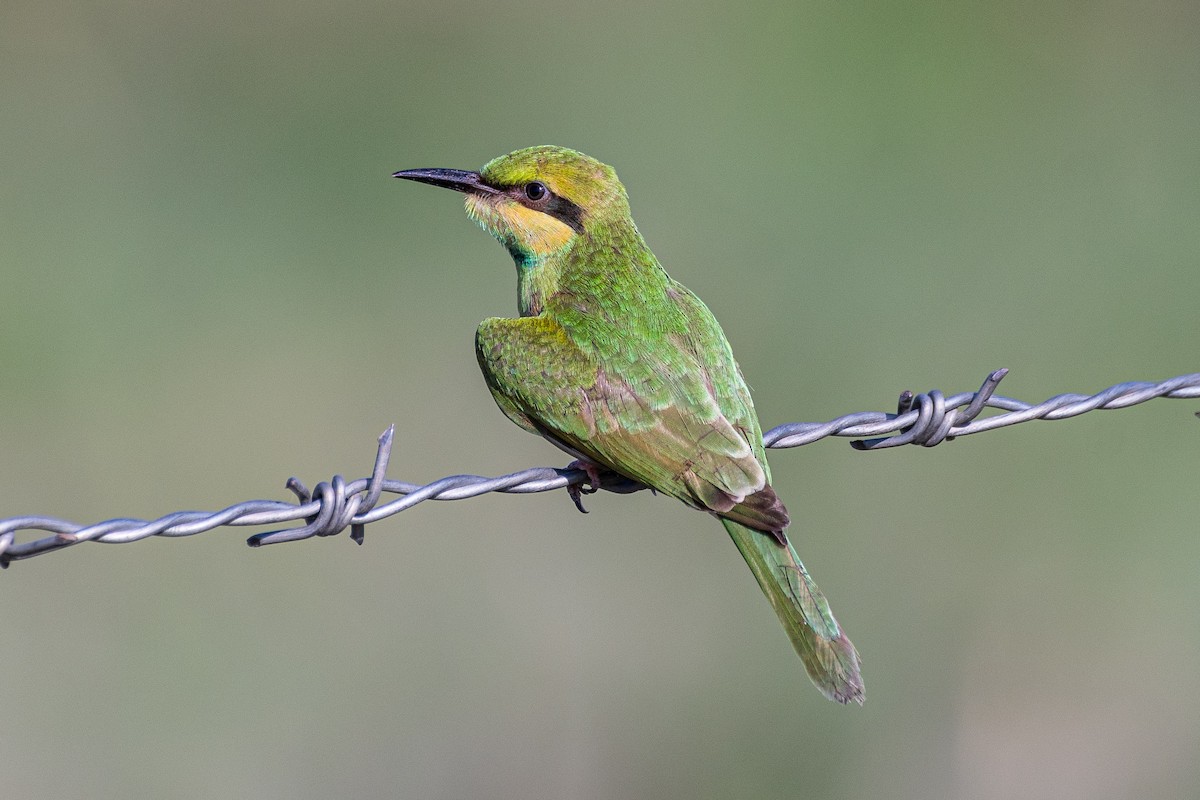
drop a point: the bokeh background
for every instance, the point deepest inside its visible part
(209, 282)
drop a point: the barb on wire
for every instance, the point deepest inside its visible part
(925, 419)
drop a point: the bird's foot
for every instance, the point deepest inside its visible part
(576, 491)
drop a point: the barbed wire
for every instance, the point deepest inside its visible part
(925, 419)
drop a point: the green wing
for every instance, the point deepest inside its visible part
(652, 413)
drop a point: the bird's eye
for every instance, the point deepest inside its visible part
(536, 191)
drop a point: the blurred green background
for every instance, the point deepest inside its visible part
(210, 283)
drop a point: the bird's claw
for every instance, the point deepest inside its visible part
(576, 491)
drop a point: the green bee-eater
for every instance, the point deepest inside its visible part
(627, 370)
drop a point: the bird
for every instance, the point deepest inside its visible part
(625, 369)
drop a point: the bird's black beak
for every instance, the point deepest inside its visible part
(456, 179)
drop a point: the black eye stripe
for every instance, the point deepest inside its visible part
(566, 212)
(550, 203)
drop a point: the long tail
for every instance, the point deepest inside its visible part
(829, 657)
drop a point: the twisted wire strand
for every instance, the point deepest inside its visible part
(925, 419)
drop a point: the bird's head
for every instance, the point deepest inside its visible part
(536, 201)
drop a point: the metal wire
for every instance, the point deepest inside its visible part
(925, 419)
